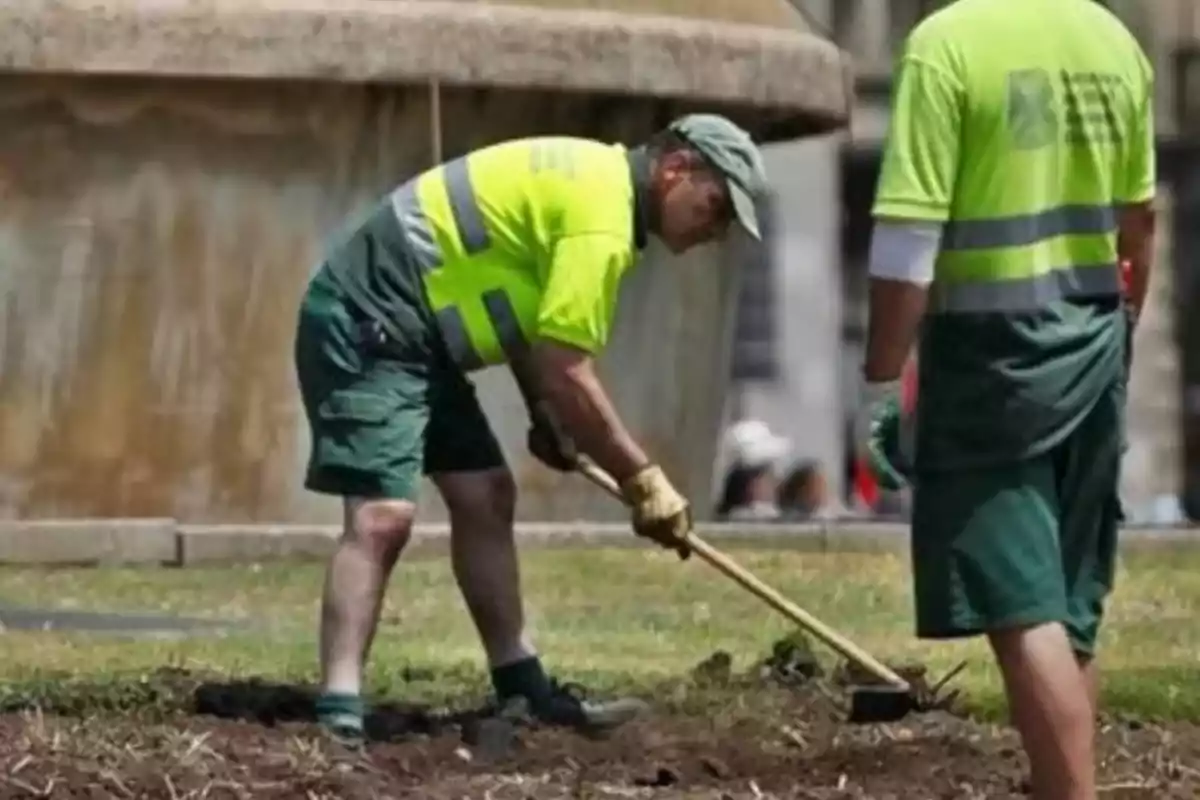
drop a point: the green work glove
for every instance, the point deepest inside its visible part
(881, 436)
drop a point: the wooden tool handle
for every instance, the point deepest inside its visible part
(764, 592)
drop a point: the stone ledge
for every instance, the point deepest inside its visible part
(163, 541)
(209, 544)
(792, 79)
(88, 541)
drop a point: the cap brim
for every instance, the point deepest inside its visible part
(745, 211)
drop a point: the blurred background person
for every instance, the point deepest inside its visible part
(804, 493)
(755, 456)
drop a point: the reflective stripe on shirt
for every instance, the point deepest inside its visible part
(501, 314)
(1024, 294)
(1025, 229)
(1000, 294)
(468, 219)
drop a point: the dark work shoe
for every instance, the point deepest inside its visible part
(341, 717)
(564, 705)
(525, 693)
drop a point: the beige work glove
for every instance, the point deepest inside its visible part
(659, 512)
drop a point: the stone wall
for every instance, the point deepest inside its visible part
(156, 236)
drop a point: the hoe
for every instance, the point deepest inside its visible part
(888, 701)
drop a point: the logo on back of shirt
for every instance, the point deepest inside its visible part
(1091, 99)
(1032, 109)
(1086, 113)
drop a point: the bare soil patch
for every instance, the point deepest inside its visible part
(752, 736)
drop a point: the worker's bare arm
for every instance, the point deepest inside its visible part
(896, 309)
(1135, 245)
(1135, 180)
(901, 268)
(524, 372)
(567, 381)
(917, 181)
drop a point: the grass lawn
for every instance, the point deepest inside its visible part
(621, 618)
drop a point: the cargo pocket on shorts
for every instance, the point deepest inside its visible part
(361, 432)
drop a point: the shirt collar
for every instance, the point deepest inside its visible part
(639, 172)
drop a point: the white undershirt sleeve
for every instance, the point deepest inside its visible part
(905, 251)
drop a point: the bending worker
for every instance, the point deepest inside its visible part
(1018, 172)
(511, 254)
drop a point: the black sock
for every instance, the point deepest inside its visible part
(524, 678)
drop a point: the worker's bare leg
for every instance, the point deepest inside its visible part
(484, 557)
(1052, 708)
(1091, 678)
(374, 534)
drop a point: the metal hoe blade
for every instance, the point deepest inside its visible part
(870, 704)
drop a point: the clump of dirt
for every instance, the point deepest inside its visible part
(793, 662)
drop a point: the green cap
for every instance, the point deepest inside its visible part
(731, 151)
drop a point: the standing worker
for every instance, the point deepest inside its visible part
(511, 254)
(1018, 172)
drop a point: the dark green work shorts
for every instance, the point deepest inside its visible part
(379, 422)
(1024, 543)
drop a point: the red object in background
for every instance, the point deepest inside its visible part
(865, 485)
